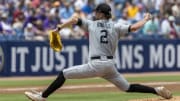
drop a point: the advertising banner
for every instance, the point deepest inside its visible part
(28, 58)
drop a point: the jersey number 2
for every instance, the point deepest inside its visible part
(104, 36)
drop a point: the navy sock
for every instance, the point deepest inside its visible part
(57, 83)
(141, 89)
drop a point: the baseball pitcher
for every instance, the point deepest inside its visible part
(103, 39)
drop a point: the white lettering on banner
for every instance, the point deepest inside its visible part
(61, 59)
(126, 56)
(169, 56)
(139, 57)
(36, 66)
(48, 59)
(156, 56)
(71, 50)
(178, 56)
(13, 59)
(22, 51)
(85, 53)
(42, 59)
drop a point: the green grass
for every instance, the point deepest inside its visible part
(105, 96)
(84, 96)
(165, 78)
(15, 83)
(20, 83)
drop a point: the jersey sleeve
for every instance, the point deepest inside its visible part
(122, 29)
(84, 23)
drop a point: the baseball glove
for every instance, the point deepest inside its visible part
(55, 41)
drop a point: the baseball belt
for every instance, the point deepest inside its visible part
(101, 57)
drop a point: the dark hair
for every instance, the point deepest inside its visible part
(105, 9)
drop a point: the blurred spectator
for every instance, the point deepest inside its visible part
(149, 4)
(34, 18)
(79, 4)
(40, 33)
(50, 22)
(41, 14)
(117, 11)
(18, 14)
(5, 26)
(18, 22)
(140, 14)
(29, 32)
(158, 4)
(1, 28)
(169, 28)
(166, 7)
(18, 26)
(140, 4)
(66, 12)
(176, 9)
(151, 27)
(88, 7)
(99, 1)
(124, 19)
(131, 10)
(55, 8)
(35, 3)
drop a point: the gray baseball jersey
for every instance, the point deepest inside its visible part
(103, 36)
(103, 40)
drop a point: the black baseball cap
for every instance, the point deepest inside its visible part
(103, 8)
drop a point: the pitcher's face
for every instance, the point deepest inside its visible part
(99, 15)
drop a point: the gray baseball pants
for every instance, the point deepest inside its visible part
(98, 68)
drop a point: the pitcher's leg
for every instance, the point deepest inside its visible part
(141, 89)
(121, 83)
(57, 83)
(118, 80)
(80, 72)
(75, 72)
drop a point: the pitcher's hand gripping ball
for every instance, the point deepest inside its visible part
(55, 40)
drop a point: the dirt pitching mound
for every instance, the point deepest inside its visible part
(176, 98)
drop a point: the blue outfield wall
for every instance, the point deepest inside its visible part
(26, 58)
